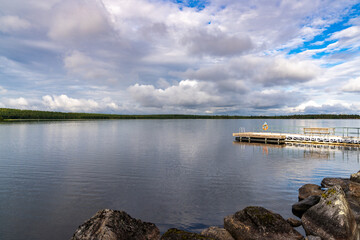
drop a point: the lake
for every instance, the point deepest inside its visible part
(187, 174)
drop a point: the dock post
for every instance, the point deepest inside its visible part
(249, 139)
(265, 140)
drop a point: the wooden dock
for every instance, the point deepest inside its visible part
(321, 137)
(272, 138)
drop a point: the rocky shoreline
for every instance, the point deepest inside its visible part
(330, 211)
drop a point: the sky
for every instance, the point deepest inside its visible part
(223, 57)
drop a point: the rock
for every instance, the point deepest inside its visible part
(309, 190)
(311, 237)
(255, 223)
(331, 182)
(176, 234)
(355, 177)
(115, 225)
(301, 207)
(294, 222)
(355, 208)
(217, 233)
(331, 218)
(354, 190)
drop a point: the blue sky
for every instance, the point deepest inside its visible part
(181, 56)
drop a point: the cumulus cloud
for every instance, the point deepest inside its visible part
(20, 103)
(77, 19)
(65, 103)
(272, 71)
(217, 72)
(268, 71)
(332, 109)
(274, 99)
(217, 44)
(353, 85)
(188, 93)
(83, 66)
(13, 23)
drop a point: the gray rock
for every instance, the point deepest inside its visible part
(308, 190)
(311, 237)
(301, 207)
(115, 225)
(353, 190)
(331, 218)
(294, 222)
(355, 177)
(217, 233)
(255, 223)
(331, 182)
(355, 208)
(176, 234)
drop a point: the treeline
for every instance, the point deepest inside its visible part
(16, 114)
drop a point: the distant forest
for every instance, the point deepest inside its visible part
(7, 114)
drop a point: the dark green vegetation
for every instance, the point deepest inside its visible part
(7, 114)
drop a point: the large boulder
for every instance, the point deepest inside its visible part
(308, 190)
(331, 182)
(115, 225)
(294, 222)
(301, 207)
(353, 198)
(355, 177)
(355, 208)
(331, 218)
(217, 233)
(354, 190)
(176, 234)
(255, 223)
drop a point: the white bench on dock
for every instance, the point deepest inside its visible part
(319, 131)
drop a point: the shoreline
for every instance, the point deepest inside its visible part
(8, 114)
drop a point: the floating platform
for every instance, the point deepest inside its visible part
(259, 137)
(315, 137)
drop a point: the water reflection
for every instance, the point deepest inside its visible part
(175, 173)
(314, 151)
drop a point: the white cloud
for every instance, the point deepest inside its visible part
(20, 103)
(78, 19)
(273, 99)
(353, 85)
(328, 107)
(65, 103)
(21, 5)
(83, 66)
(332, 109)
(218, 43)
(13, 23)
(189, 93)
(346, 38)
(350, 32)
(301, 107)
(267, 70)
(272, 71)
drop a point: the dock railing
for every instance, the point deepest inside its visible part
(348, 132)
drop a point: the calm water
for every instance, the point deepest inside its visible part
(175, 173)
